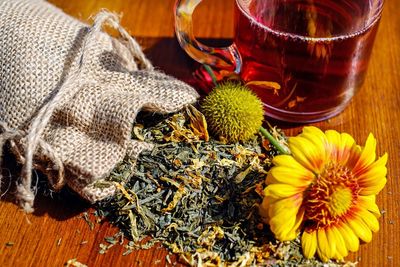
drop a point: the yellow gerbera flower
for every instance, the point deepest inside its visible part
(325, 189)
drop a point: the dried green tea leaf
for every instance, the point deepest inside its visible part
(199, 199)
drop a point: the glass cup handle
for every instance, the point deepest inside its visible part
(225, 58)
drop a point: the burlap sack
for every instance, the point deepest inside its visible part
(69, 96)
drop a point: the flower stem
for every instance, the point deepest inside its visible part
(211, 73)
(274, 142)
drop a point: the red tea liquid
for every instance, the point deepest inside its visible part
(305, 47)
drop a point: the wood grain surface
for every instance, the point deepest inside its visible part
(56, 232)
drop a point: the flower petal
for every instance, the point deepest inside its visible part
(331, 242)
(314, 131)
(373, 178)
(323, 244)
(368, 202)
(317, 138)
(291, 176)
(333, 144)
(339, 146)
(299, 219)
(283, 231)
(373, 173)
(307, 154)
(349, 237)
(309, 243)
(341, 248)
(322, 255)
(285, 206)
(374, 189)
(287, 161)
(285, 218)
(346, 148)
(354, 155)
(369, 219)
(360, 228)
(367, 156)
(282, 190)
(288, 205)
(287, 230)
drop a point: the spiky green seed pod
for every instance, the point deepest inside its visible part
(232, 111)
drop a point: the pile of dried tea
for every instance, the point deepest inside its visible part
(199, 198)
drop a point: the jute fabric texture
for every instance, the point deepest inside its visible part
(69, 94)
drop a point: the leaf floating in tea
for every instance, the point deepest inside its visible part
(266, 85)
(293, 103)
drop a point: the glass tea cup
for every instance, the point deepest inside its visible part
(305, 59)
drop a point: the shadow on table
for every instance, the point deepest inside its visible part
(60, 205)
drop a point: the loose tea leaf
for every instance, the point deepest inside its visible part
(9, 244)
(74, 263)
(85, 216)
(199, 198)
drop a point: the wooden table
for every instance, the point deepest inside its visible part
(55, 233)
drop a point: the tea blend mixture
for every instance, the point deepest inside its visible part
(198, 197)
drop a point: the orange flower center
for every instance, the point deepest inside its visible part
(330, 196)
